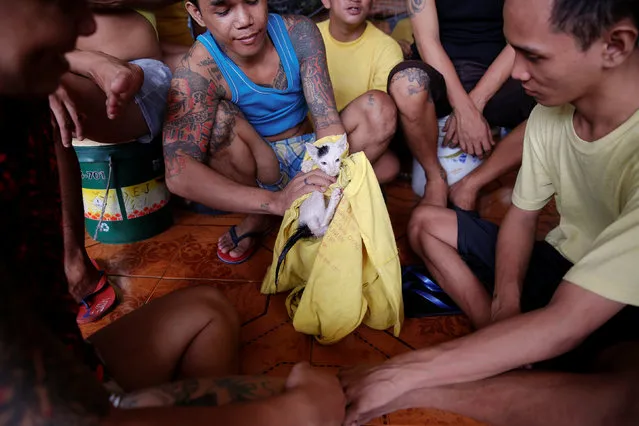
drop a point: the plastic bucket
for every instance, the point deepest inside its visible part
(123, 190)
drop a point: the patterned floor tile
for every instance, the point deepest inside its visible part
(197, 258)
(426, 332)
(146, 258)
(415, 417)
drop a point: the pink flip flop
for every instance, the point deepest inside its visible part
(100, 302)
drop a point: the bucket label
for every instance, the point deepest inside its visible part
(145, 198)
(94, 202)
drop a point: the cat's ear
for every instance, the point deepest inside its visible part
(312, 150)
(342, 143)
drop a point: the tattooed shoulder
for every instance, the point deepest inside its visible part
(416, 6)
(305, 36)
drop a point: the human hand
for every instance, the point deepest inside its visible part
(463, 194)
(320, 394)
(370, 392)
(69, 122)
(302, 184)
(467, 128)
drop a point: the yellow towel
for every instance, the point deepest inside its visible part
(351, 275)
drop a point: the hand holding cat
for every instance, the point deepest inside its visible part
(302, 184)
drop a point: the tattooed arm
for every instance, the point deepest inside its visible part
(318, 90)
(199, 125)
(305, 398)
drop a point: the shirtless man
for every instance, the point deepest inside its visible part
(237, 114)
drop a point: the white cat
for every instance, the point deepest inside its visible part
(315, 215)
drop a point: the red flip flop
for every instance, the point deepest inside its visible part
(100, 302)
(227, 258)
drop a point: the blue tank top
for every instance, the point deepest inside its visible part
(270, 111)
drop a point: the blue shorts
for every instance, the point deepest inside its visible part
(152, 96)
(290, 154)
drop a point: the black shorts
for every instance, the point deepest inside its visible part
(509, 107)
(476, 244)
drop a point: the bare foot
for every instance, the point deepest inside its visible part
(463, 195)
(119, 80)
(252, 223)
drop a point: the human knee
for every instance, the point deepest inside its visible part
(381, 115)
(215, 308)
(410, 90)
(421, 222)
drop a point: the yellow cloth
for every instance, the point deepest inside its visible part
(596, 188)
(403, 31)
(361, 65)
(149, 16)
(173, 25)
(351, 275)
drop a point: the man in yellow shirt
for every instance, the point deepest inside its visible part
(368, 78)
(569, 303)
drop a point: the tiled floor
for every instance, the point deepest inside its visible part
(185, 255)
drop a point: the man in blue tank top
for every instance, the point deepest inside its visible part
(238, 116)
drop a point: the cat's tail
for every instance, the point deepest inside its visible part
(302, 232)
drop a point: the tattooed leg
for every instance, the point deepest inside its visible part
(410, 91)
(187, 334)
(370, 122)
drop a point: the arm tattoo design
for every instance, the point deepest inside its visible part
(41, 383)
(415, 6)
(205, 392)
(318, 90)
(192, 129)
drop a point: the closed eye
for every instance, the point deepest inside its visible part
(323, 163)
(337, 161)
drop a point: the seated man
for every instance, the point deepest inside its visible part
(468, 63)
(115, 91)
(49, 375)
(572, 299)
(360, 60)
(238, 115)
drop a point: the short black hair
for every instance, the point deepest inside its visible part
(586, 20)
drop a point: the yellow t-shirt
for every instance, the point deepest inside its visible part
(361, 65)
(173, 25)
(596, 189)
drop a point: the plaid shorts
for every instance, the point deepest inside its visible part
(290, 154)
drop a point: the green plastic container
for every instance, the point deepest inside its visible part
(137, 201)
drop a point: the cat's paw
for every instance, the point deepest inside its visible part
(337, 193)
(307, 166)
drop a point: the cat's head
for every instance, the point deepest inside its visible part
(328, 157)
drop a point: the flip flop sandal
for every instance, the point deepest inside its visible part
(100, 302)
(422, 297)
(226, 257)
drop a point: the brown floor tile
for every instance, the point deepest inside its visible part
(275, 316)
(429, 417)
(146, 258)
(406, 254)
(282, 344)
(88, 241)
(425, 332)
(135, 292)
(352, 349)
(495, 204)
(245, 296)
(185, 217)
(197, 258)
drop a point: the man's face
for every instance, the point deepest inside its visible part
(550, 64)
(239, 26)
(36, 35)
(350, 12)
